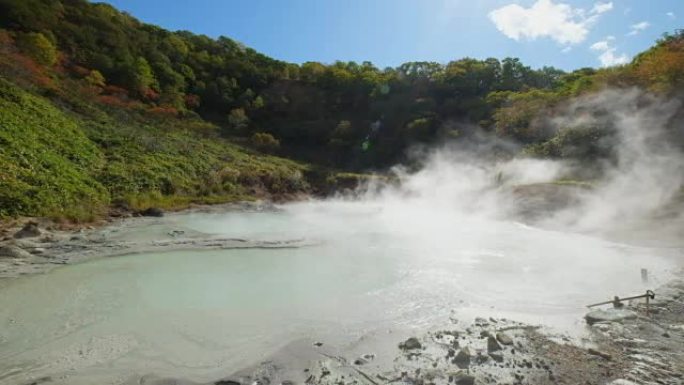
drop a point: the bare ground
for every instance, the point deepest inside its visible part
(646, 350)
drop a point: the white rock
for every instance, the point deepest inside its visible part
(622, 382)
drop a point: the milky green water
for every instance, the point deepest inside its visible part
(205, 314)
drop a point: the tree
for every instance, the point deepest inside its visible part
(238, 119)
(143, 77)
(38, 47)
(258, 103)
(96, 79)
(175, 47)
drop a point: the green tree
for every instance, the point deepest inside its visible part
(143, 77)
(238, 119)
(95, 79)
(258, 103)
(38, 47)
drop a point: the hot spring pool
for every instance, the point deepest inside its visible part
(204, 314)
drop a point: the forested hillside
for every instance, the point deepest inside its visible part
(98, 108)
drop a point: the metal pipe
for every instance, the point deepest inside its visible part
(617, 301)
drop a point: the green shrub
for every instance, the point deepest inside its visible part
(265, 142)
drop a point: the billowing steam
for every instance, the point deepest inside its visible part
(647, 173)
(638, 177)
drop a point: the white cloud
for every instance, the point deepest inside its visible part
(671, 15)
(600, 46)
(566, 49)
(546, 19)
(600, 8)
(609, 58)
(608, 53)
(638, 27)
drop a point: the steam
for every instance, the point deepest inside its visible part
(638, 182)
(649, 170)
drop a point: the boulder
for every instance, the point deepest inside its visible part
(493, 344)
(462, 359)
(29, 230)
(611, 315)
(504, 339)
(152, 212)
(410, 344)
(10, 251)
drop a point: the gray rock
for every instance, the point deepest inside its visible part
(493, 345)
(10, 251)
(38, 251)
(176, 233)
(155, 380)
(504, 339)
(497, 356)
(152, 212)
(611, 315)
(462, 359)
(78, 238)
(29, 230)
(410, 344)
(479, 321)
(601, 354)
(464, 379)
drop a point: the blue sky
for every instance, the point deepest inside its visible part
(567, 34)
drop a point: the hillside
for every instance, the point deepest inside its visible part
(69, 165)
(99, 110)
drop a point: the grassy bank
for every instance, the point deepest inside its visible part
(75, 163)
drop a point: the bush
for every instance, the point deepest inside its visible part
(238, 120)
(265, 142)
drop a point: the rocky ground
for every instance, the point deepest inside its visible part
(641, 348)
(644, 348)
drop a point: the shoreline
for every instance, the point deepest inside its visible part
(643, 350)
(53, 247)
